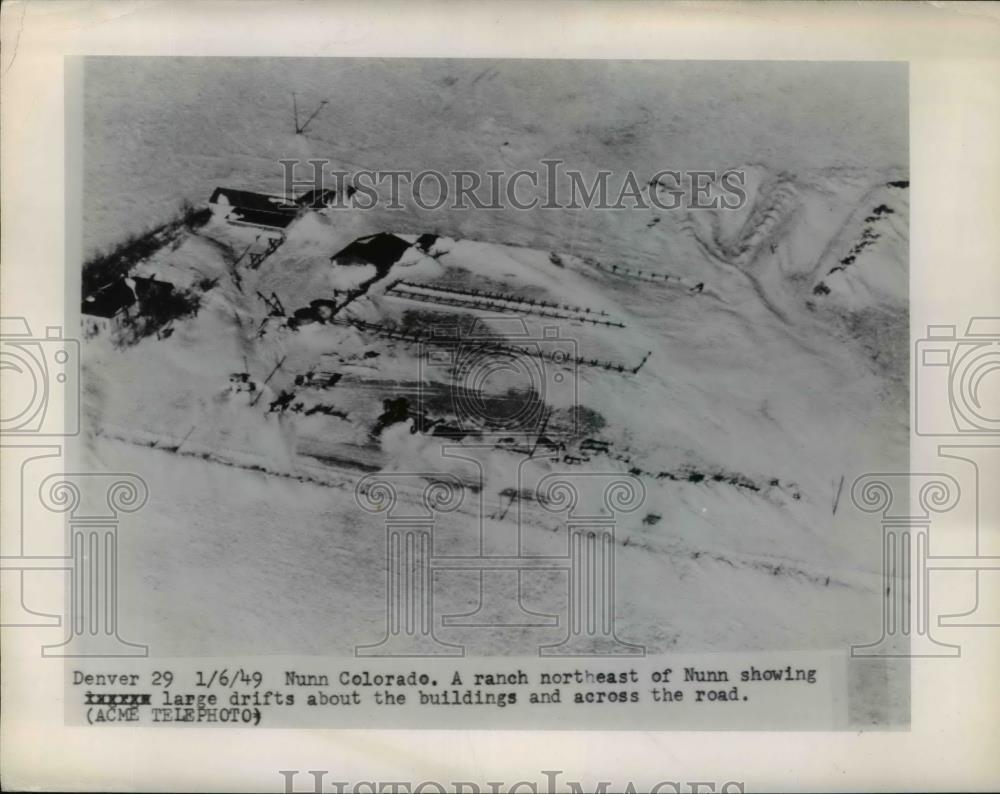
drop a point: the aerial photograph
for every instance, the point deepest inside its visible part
(497, 357)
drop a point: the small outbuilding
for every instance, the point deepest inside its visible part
(245, 208)
(382, 250)
(109, 301)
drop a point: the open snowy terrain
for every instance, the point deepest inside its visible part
(754, 361)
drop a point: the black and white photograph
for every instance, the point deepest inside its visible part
(498, 396)
(436, 358)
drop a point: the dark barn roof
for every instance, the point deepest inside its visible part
(256, 208)
(381, 250)
(252, 201)
(276, 220)
(109, 300)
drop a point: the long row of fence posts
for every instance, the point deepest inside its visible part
(394, 332)
(503, 296)
(638, 274)
(473, 301)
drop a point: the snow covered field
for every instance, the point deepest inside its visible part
(776, 338)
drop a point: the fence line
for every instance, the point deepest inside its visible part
(642, 275)
(475, 299)
(504, 296)
(394, 332)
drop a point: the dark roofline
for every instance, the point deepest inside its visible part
(108, 301)
(247, 199)
(252, 217)
(380, 249)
